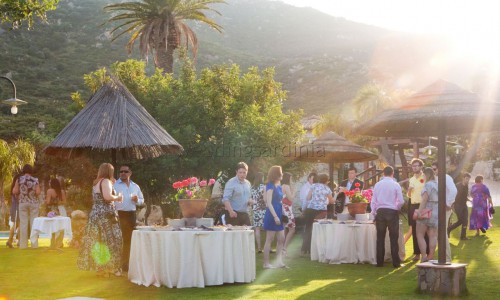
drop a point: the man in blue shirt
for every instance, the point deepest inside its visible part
(132, 196)
(237, 197)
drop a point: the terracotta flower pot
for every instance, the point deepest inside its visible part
(356, 208)
(193, 208)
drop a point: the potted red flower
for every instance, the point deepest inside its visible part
(192, 195)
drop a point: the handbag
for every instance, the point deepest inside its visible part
(424, 213)
(492, 210)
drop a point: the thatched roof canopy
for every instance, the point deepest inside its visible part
(331, 147)
(114, 120)
(441, 104)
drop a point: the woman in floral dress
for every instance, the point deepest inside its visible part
(259, 206)
(102, 243)
(481, 203)
(288, 210)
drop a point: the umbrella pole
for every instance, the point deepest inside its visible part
(442, 195)
(113, 158)
(331, 165)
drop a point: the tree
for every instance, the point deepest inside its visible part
(12, 158)
(220, 117)
(160, 26)
(16, 11)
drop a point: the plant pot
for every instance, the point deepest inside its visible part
(356, 208)
(193, 208)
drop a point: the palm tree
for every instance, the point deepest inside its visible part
(12, 158)
(160, 26)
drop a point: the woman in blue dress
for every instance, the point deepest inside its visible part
(272, 219)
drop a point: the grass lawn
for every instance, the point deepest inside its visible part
(44, 274)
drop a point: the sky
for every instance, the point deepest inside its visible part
(472, 25)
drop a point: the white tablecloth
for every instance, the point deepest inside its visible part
(191, 258)
(347, 243)
(51, 225)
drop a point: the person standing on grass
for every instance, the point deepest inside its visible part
(460, 207)
(416, 185)
(386, 203)
(132, 196)
(14, 214)
(259, 206)
(237, 197)
(481, 203)
(55, 199)
(102, 242)
(288, 210)
(320, 195)
(27, 188)
(273, 218)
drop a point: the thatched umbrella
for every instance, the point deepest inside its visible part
(440, 109)
(332, 148)
(113, 120)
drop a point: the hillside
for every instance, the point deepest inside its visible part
(321, 60)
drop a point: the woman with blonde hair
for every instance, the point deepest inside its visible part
(426, 224)
(272, 219)
(102, 243)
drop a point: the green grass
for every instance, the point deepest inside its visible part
(44, 274)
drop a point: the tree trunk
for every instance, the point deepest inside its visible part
(386, 152)
(165, 59)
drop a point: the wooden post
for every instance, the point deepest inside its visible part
(442, 195)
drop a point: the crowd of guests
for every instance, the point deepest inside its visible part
(272, 200)
(106, 242)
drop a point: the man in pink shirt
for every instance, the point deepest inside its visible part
(386, 203)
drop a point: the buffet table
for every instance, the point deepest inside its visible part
(338, 243)
(191, 258)
(51, 225)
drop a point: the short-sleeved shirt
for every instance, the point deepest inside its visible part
(319, 199)
(237, 193)
(431, 187)
(418, 185)
(27, 188)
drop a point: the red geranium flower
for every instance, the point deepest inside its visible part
(357, 184)
(421, 181)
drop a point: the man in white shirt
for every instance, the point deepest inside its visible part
(451, 193)
(132, 196)
(304, 190)
(386, 203)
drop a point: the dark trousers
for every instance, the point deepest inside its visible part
(463, 218)
(387, 218)
(413, 224)
(242, 219)
(309, 216)
(127, 225)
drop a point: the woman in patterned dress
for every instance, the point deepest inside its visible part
(28, 189)
(288, 210)
(102, 243)
(481, 202)
(55, 199)
(259, 206)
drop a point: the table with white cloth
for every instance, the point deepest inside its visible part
(46, 225)
(191, 258)
(338, 243)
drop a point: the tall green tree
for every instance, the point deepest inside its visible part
(12, 158)
(160, 26)
(18, 11)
